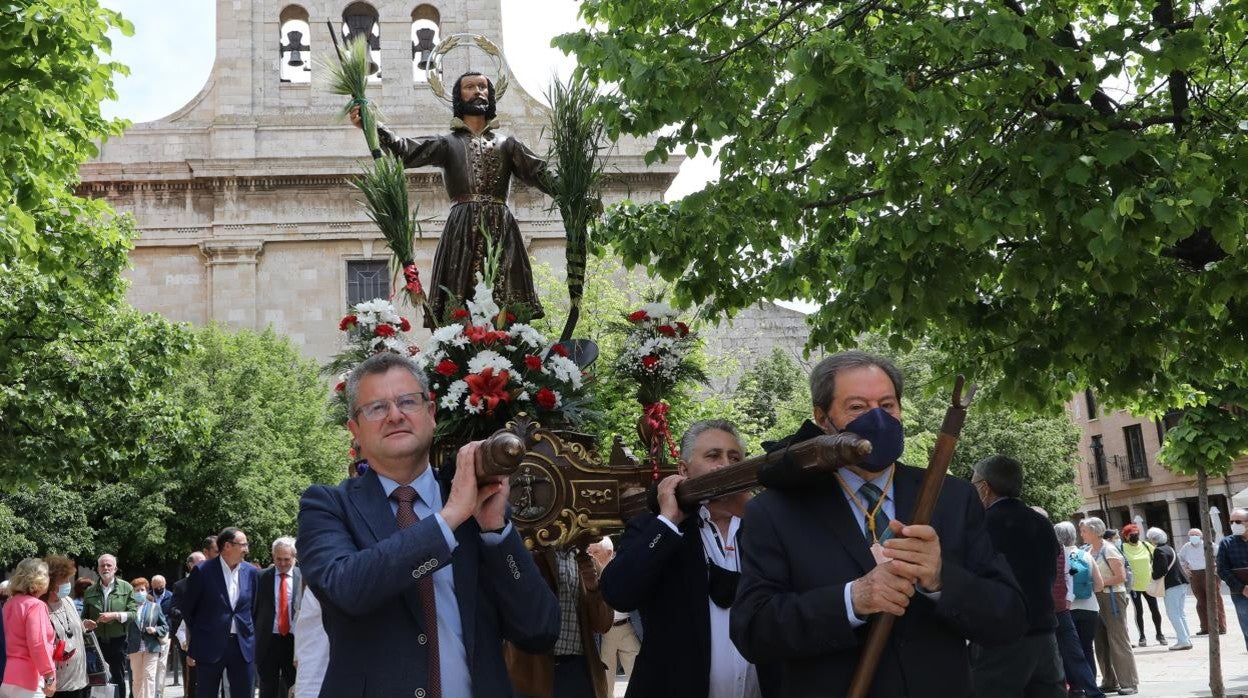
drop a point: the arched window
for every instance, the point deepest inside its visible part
(426, 33)
(294, 51)
(361, 19)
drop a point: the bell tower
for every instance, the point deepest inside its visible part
(242, 197)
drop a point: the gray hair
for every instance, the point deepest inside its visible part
(1065, 532)
(1003, 474)
(1095, 525)
(823, 377)
(285, 542)
(1156, 536)
(690, 437)
(378, 364)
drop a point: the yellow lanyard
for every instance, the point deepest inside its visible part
(870, 515)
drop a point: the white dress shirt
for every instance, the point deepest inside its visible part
(311, 648)
(231, 588)
(731, 675)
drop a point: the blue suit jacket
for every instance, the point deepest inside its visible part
(365, 571)
(207, 611)
(801, 547)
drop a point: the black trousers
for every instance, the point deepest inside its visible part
(1031, 666)
(114, 651)
(572, 678)
(1136, 597)
(277, 667)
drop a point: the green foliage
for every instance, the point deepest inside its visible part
(83, 383)
(255, 433)
(965, 173)
(1045, 443)
(610, 293)
(1211, 435)
(52, 80)
(767, 388)
(266, 438)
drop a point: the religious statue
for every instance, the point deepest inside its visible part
(477, 166)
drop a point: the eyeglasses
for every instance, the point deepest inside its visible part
(378, 409)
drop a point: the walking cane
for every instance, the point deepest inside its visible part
(929, 492)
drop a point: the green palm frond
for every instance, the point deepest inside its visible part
(348, 76)
(384, 186)
(578, 144)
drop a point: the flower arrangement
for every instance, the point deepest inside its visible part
(484, 367)
(656, 354)
(371, 327)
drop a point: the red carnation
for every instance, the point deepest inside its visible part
(649, 362)
(479, 334)
(447, 368)
(384, 330)
(559, 349)
(666, 330)
(342, 385)
(546, 399)
(413, 350)
(459, 314)
(347, 322)
(404, 325)
(637, 316)
(684, 329)
(533, 362)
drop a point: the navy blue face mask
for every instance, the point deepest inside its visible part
(886, 435)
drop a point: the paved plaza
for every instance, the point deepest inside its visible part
(1163, 674)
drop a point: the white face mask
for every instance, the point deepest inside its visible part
(1196, 540)
(1237, 529)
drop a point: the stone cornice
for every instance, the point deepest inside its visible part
(99, 182)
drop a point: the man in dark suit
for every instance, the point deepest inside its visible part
(680, 569)
(820, 559)
(417, 595)
(221, 635)
(278, 596)
(1031, 665)
(176, 620)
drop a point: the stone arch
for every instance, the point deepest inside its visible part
(426, 33)
(362, 18)
(294, 45)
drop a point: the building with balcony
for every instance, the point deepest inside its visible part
(1122, 480)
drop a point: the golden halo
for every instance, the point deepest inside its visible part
(433, 73)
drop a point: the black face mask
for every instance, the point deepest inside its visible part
(721, 584)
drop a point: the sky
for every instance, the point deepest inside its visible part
(171, 53)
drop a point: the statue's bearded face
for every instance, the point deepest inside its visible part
(474, 95)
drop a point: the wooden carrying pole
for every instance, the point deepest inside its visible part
(929, 492)
(820, 454)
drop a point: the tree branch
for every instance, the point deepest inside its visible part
(758, 37)
(842, 200)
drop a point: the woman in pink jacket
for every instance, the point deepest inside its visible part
(28, 636)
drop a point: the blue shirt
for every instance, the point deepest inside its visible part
(452, 657)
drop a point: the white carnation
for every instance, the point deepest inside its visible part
(489, 359)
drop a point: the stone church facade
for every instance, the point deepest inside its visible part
(242, 197)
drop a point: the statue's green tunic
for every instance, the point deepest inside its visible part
(477, 172)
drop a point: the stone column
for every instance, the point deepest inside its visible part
(1179, 523)
(232, 281)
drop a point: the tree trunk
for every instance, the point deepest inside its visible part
(1212, 586)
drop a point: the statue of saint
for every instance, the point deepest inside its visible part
(477, 166)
